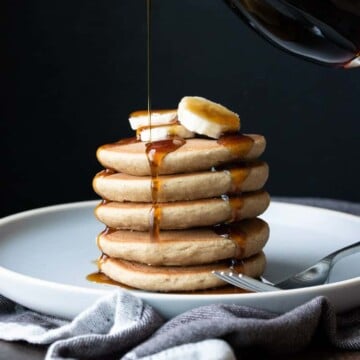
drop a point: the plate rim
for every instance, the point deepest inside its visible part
(156, 295)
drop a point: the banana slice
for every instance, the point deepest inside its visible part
(140, 118)
(163, 132)
(205, 117)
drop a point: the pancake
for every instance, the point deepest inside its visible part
(187, 247)
(238, 178)
(196, 154)
(176, 278)
(183, 214)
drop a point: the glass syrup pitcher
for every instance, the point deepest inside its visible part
(323, 31)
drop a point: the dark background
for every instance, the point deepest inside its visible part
(74, 70)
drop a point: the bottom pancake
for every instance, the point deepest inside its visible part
(176, 278)
(187, 247)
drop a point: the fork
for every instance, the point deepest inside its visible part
(316, 274)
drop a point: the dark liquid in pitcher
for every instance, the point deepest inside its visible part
(323, 31)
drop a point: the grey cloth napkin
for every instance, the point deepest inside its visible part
(115, 323)
(122, 325)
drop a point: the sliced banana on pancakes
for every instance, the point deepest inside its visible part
(139, 119)
(163, 132)
(206, 117)
(195, 114)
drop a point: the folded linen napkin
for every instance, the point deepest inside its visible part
(122, 325)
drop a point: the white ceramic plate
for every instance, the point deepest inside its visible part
(46, 254)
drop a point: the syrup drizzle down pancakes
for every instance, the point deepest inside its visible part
(185, 203)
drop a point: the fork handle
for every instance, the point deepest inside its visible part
(344, 252)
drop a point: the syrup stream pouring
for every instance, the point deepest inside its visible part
(316, 274)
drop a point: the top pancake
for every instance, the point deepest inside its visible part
(195, 155)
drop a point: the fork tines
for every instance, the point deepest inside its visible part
(243, 281)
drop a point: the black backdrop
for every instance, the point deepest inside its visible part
(75, 69)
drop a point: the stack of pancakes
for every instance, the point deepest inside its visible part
(175, 209)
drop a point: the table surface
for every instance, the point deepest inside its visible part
(24, 351)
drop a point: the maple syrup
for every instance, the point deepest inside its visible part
(105, 173)
(238, 176)
(236, 204)
(156, 152)
(100, 278)
(106, 231)
(234, 233)
(170, 130)
(143, 113)
(148, 62)
(239, 145)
